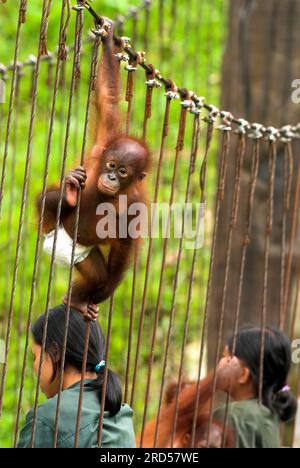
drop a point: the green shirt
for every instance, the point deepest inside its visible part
(254, 425)
(117, 430)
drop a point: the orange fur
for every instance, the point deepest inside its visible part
(98, 277)
(187, 401)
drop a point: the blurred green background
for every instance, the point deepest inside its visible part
(188, 48)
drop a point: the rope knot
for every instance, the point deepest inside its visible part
(256, 131)
(226, 121)
(243, 127)
(213, 114)
(272, 134)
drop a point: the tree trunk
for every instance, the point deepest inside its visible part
(261, 61)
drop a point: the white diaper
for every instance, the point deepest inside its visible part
(64, 246)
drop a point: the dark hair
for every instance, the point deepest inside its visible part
(74, 350)
(277, 364)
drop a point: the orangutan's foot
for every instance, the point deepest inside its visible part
(90, 312)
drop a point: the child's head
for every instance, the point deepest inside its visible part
(52, 361)
(242, 368)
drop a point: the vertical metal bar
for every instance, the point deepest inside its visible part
(93, 74)
(37, 253)
(296, 304)
(219, 201)
(233, 221)
(45, 16)
(132, 308)
(297, 394)
(83, 371)
(12, 192)
(146, 25)
(209, 47)
(292, 237)
(269, 229)
(197, 56)
(134, 26)
(288, 164)
(195, 141)
(165, 133)
(221, 184)
(246, 242)
(21, 20)
(161, 27)
(179, 148)
(148, 106)
(104, 385)
(129, 95)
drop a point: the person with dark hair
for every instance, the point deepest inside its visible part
(257, 424)
(117, 426)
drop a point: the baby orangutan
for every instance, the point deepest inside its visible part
(185, 420)
(115, 166)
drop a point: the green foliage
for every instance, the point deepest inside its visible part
(190, 52)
